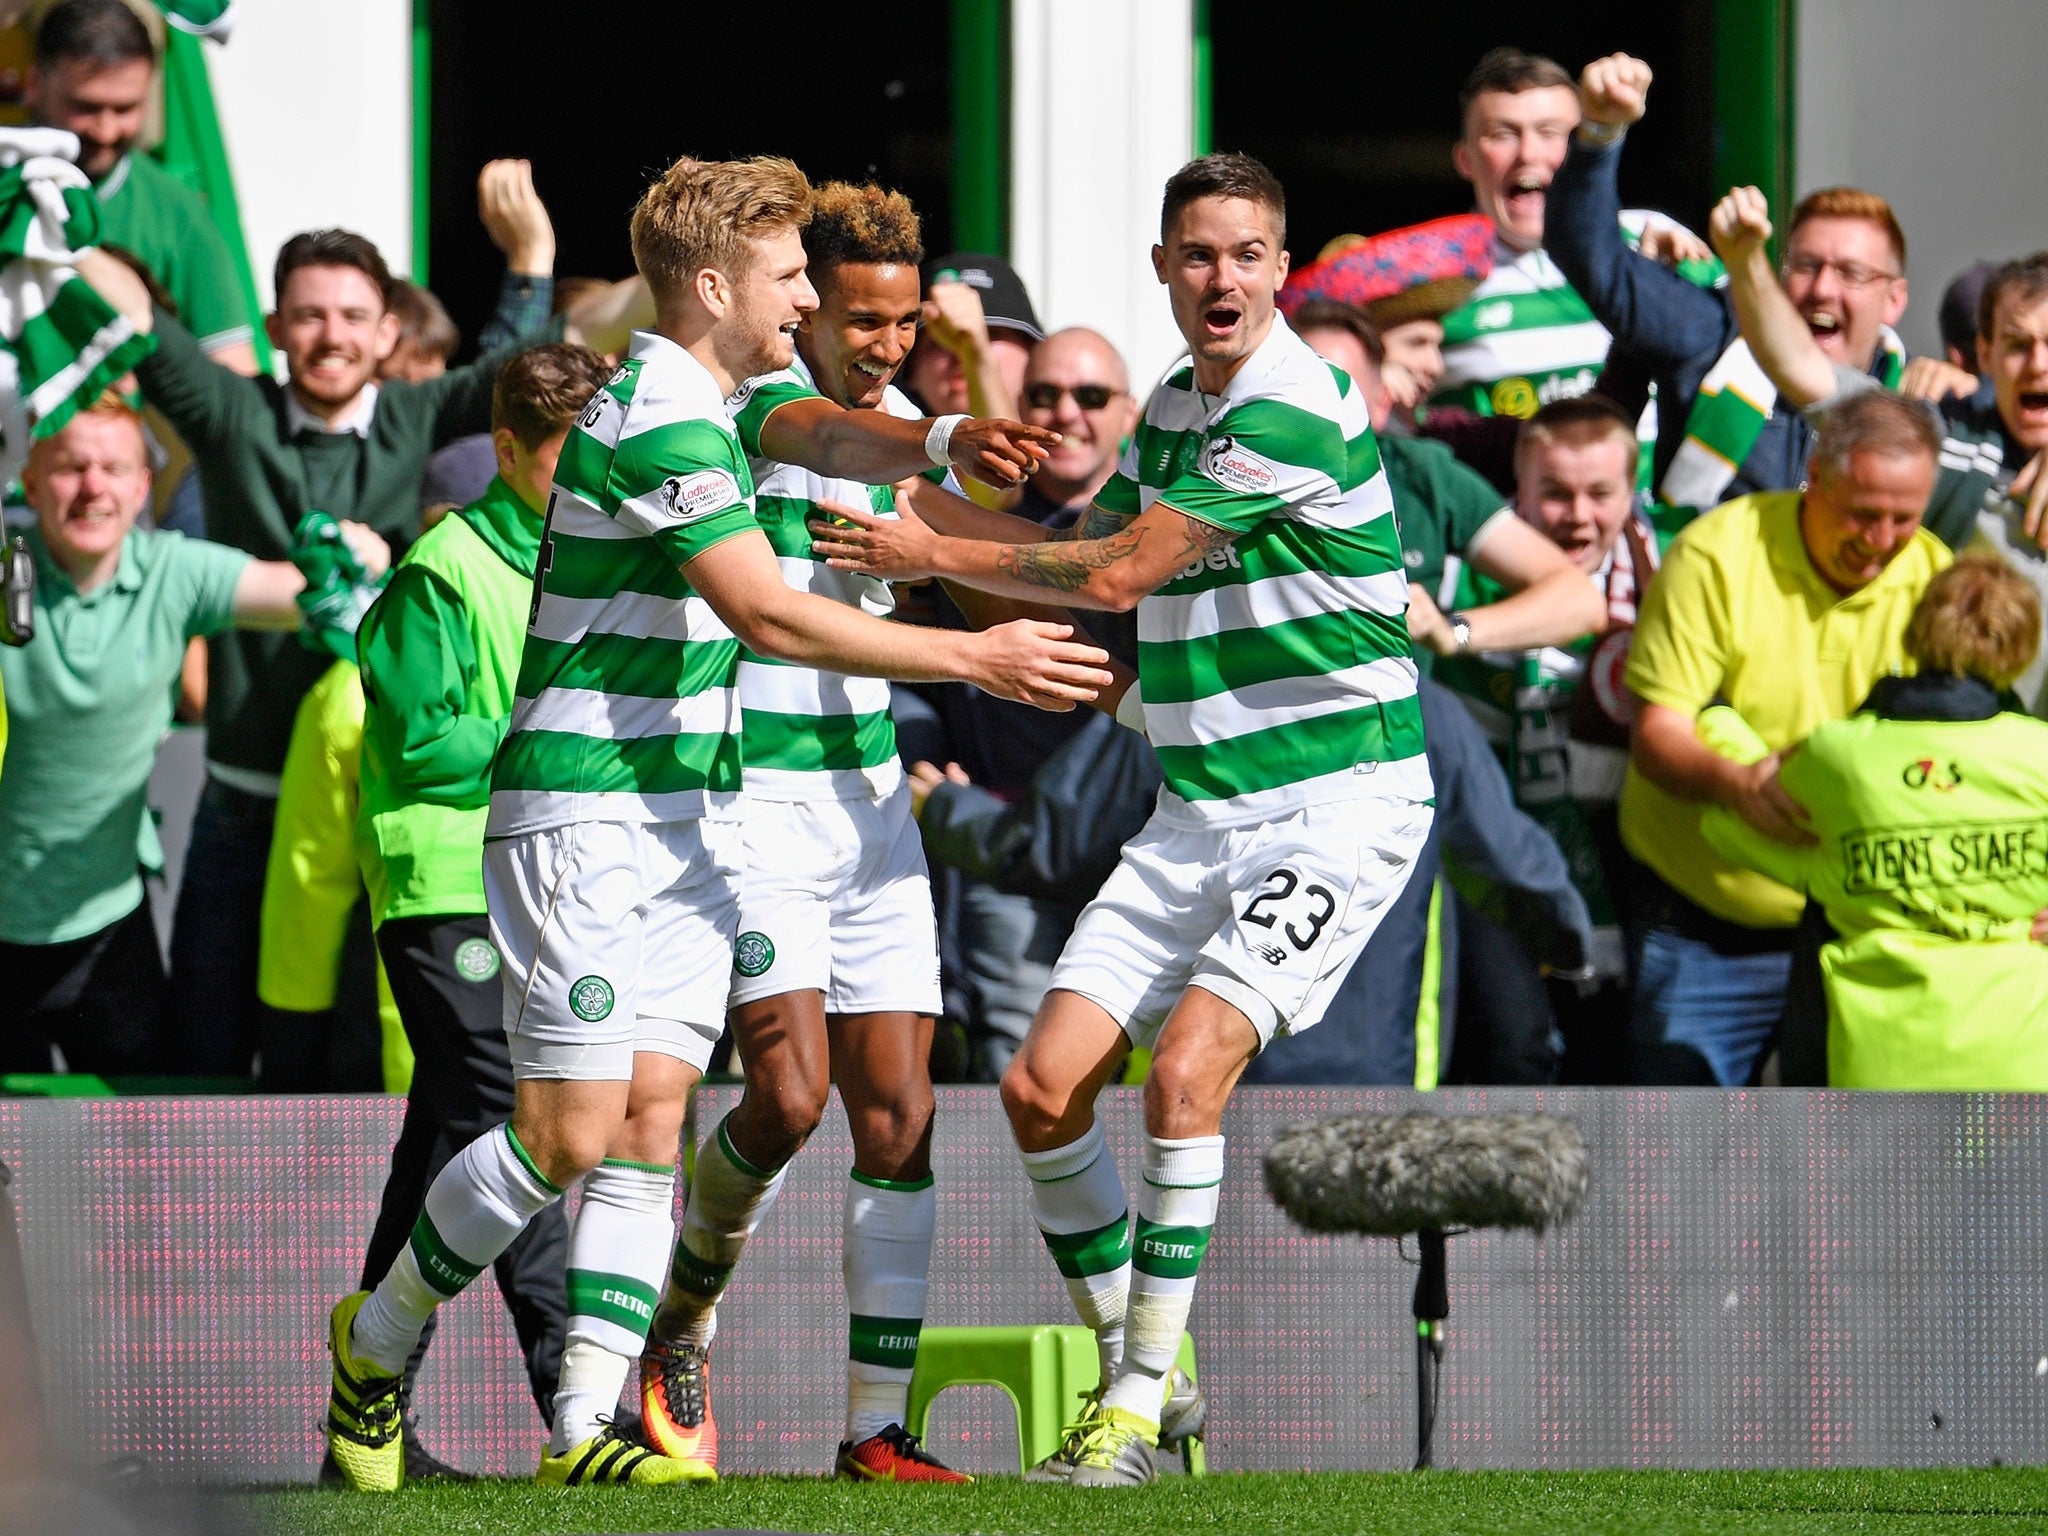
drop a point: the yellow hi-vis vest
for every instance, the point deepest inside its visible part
(1931, 861)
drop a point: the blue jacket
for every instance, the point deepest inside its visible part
(1676, 329)
(1063, 837)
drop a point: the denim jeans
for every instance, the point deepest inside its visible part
(1705, 1014)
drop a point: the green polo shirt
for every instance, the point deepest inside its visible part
(147, 210)
(88, 699)
(1444, 508)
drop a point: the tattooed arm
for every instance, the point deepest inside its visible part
(957, 518)
(1110, 563)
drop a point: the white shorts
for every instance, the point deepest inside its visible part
(1269, 917)
(616, 938)
(837, 900)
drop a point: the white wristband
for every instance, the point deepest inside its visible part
(1130, 709)
(938, 442)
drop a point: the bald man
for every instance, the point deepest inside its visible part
(1075, 383)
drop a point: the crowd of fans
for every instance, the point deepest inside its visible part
(1729, 615)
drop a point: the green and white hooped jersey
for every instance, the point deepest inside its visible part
(807, 734)
(1277, 671)
(626, 706)
(1525, 337)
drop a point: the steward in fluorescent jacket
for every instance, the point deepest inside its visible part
(1928, 812)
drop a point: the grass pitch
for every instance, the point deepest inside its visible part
(1897, 1503)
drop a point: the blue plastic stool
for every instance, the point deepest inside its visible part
(1046, 1368)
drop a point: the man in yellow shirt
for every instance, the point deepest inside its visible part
(1787, 606)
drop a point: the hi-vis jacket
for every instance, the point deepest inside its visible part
(1931, 810)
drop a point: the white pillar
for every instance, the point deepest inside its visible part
(1889, 92)
(346, 161)
(1101, 113)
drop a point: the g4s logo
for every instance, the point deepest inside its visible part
(1926, 772)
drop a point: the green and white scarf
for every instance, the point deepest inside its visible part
(202, 18)
(1735, 399)
(61, 344)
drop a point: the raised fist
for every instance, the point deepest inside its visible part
(1614, 90)
(515, 218)
(1740, 225)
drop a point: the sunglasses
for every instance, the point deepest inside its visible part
(1090, 397)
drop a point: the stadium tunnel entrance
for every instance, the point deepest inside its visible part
(1354, 108)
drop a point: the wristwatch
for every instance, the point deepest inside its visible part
(1461, 631)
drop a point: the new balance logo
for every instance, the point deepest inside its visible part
(1272, 954)
(636, 1305)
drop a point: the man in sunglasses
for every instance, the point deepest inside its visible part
(1076, 384)
(1720, 434)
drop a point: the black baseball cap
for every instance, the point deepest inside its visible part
(1003, 298)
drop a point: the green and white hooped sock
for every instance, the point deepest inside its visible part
(1083, 1215)
(481, 1200)
(1176, 1214)
(885, 1258)
(618, 1246)
(728, 1199)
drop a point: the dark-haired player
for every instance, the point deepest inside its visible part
(1251, 527)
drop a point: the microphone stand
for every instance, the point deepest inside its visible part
(1432, 1306)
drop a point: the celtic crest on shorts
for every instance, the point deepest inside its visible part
(753, 954)
(590, 998)
(476, 960)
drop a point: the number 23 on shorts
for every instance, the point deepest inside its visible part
(1298, 909)
(1283, 923)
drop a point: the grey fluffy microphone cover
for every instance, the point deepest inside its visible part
(1386, 1175)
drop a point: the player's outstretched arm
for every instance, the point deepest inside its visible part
(1027, 661)
(957, 518)
(1113, 565)
(984, 610)
(876, 448)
